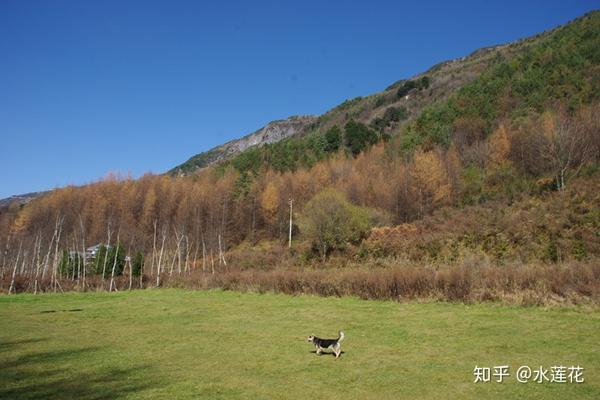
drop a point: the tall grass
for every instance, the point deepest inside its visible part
(472, 280)
(530, 284)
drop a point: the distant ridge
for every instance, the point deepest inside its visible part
(272, 132)
(20, 199)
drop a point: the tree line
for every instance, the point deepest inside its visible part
(186, 223)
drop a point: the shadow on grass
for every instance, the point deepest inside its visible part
(50, 375)
(327, 353)
(6, 346)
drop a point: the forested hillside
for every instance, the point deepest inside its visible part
(493, 158)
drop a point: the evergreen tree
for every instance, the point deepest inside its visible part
(137, 264)
(333, 137)
(358, 136)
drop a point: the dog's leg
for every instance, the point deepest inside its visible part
(337, 350)
(319, 350)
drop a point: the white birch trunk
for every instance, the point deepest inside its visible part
(55, 260)
(195, 255)
(112, 275)
(162, 247)
(130, 271)
(187, 255)
(221, 256)
(14, 273)
(153, 262)
(47, 258)
(37, 262)
(203, 255)
(82, 252)
(290, 233)
(106, 254)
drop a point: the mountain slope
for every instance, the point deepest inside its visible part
(413, 95)
(272, 132)
(19, 199)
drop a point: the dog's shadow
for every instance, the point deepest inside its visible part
(326, 353)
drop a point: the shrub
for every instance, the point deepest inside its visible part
(578, 249)
(358, 136)
(70, 264)
(381, 100)
(333, 139)
(474, 281)
(330, 222)
(405, 88)
(137, 264)
(409, 85)
(99, 260)
(104, 260)
(395, 114)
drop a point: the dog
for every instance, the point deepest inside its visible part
(322, 344)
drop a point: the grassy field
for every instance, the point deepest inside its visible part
(176, 344)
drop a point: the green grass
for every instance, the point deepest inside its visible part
(212, 344)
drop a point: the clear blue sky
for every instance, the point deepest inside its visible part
(91, 87)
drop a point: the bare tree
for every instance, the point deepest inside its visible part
(203, 254)
(178, 239)
(128, 260)
(187, 255)
(106, 252)
(142, 274)
(153, 249)
(78, 260)
(47, 258)
(37, 261)
(23, 263)
(162, 247)
(12, 279)
(196, 248)
(221, 256)
(290, 231)
(566, 148)
(5, 254)
(115, 259)
(83, 254)
(58, 229)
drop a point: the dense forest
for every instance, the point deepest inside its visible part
(502, 171)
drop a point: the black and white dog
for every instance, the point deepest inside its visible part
(323, 344)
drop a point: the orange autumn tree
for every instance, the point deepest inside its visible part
(269, 202)
(431, 180)
(499, 145)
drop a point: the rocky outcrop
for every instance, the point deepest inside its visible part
(273, 132)
(19, 199)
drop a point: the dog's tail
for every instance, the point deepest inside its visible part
(341, 337)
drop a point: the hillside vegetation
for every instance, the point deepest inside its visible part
(405, 98)
(464, 97)
(491, 160)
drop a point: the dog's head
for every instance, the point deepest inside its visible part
(310, 338)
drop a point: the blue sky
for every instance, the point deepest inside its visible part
(92, 87)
